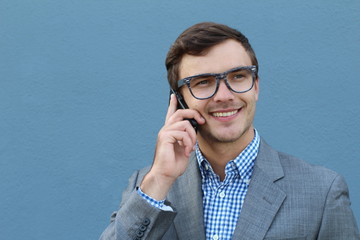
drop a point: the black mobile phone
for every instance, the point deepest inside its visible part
(182, 105)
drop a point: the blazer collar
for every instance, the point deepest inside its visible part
(264, 197)
(268, 160)
(262, 202)
(189, 221)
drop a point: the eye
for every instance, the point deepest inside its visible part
(238, 76)
(201, 82)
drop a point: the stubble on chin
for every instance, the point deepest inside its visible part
(222, 138)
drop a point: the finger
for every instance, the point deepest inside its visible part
(182, 114)
(183, 126)
(188, 151)
(183, 140)
(172, 106)
(192, 133)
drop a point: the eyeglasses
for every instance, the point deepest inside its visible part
(204, 86)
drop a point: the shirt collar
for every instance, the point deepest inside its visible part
(243, 163)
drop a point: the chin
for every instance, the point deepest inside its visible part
(226, 136)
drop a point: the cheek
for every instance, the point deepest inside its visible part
(197, 105)
(200, 106)
(256, 96)
(187, 97)
(251, 104)
(257, 89)
(192, 102)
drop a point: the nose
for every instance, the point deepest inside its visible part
(223, 93)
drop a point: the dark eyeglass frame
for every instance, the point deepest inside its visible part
(218, 77)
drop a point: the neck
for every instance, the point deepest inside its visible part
(220, 153)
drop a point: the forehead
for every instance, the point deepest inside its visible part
(219, 58)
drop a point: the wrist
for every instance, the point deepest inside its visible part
(153, 202)
(156, 186)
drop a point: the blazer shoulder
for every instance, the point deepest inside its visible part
(279, 165)
(297, 168)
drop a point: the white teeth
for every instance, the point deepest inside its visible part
(224, 114)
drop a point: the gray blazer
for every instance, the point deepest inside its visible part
(287, 199)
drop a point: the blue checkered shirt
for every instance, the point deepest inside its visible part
(223, 201)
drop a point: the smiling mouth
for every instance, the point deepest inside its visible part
(225, 114)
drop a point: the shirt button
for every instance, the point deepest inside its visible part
(222, 195)
(215, 237)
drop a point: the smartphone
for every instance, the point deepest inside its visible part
(182, 105)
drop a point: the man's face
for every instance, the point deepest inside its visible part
(229, 115)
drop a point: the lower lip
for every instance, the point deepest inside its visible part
(228, 118)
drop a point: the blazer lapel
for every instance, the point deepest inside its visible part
(186, 196)
(264, 197)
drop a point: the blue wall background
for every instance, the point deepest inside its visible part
(83, 94)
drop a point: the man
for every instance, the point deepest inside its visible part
(223, 181)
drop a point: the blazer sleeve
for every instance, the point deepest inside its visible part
(338, 221)
(136, 218)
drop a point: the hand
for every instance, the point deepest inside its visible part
(176, 140)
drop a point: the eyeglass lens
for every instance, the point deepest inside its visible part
(205, 86)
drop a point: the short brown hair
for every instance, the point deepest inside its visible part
(196, 40)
